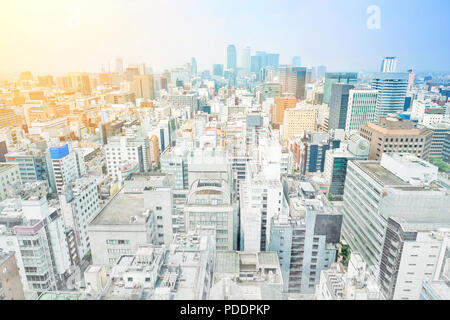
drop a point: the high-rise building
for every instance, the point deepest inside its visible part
(293, 80)
(396, 135)
(391, 88)
(339, 105)
(144, 87)
(441, 137)
(231, 57)
(389, 64)
(340, 77)
(357, 148)
(361, 109)
(401, 185)
(193, 66)
(411, 252)
(218, 70)
(9, 179)
(246, 54)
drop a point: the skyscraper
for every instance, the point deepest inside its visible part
(391, 88)
(361, 109)
(245, 63)
(389, 64)
(143, 87)
(338, 105)
(340, 77)
(296, 61)
(193, 66)
(293, 80)
(218, 70)
(231, 57)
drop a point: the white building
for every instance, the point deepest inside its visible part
(9, 179)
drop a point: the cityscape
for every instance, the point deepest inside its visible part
(253, 170)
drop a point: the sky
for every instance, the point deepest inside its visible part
(57, 36)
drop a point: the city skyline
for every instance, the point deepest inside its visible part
(71, 36)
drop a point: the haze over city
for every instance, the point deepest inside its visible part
(55, 36)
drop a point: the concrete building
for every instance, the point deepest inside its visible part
(355, 283)
(79, 206)
(281, 104)
(305, 238)
(247, 276)
(392, 134)
(174, 161)
(10, 180)
(66, 166)
(181, 272)
(299, 120)
(410, 256)
(120, 228)
(122, 151)
(441, 137)
(400, 185)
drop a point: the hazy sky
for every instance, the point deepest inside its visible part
(81, 35)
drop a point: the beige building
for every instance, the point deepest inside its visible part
(281, 104)
(80, 81)
(397, 135)
(120, 97)
(10, 285)
(298, 120)
(143, 87)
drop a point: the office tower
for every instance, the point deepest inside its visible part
(441, 135)
(130, 73)
(391, 88)
(65, 167)
(273, 60)
(401, 185)
(11, 287)
(231, 57)
(339, 77)
(32, 164)
(361, 110)
(10, 180)
(357, 148)
(218, 70)
(298, 120)
(338, 105)
(186, 99)
(118, 66)
(296, 61)
(80, 81)
(245, 63)
(396, 135)
(305, 239)
(389, 64)
(311, 149)
(255, 64)
(144, 87)
(281, 104)
(411, 252)
(438, 288)
(193, 66)
(293, 81)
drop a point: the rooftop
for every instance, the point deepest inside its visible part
(380, 174)
(121, 210)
